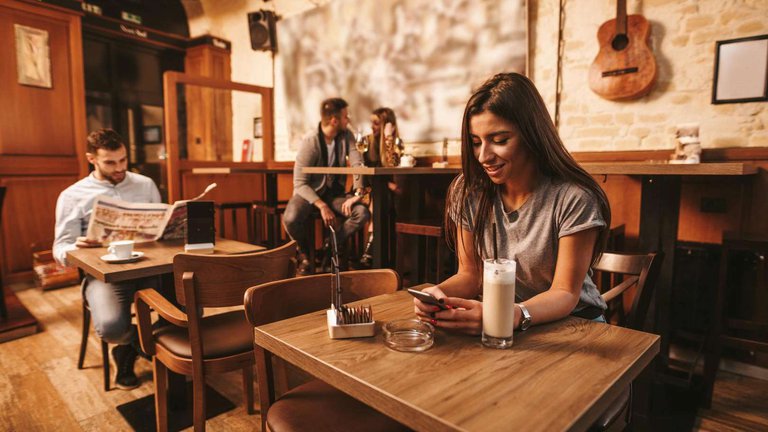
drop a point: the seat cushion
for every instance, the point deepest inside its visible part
(225, 334)
(316, 406)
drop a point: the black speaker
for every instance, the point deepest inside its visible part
(262, 27)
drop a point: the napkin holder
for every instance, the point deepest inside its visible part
(346, 331)
(201, 236)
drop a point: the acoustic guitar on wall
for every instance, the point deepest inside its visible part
(624, 68)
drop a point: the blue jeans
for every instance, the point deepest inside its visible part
(110, 305)
(601, 319)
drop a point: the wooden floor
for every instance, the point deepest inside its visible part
(41, 388)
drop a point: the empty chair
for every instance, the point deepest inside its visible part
(246, 208)
(627, 271)
(314, 406)
(199, 345)
(742, 265)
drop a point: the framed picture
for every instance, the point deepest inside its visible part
(741, 70)
(152, 135)
(33, 57)
(258, 130)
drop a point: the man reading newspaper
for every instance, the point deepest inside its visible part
(110, 304)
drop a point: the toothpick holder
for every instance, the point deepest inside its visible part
(346, 331)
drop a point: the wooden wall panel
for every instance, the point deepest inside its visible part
(624, 196)
(42, 130)
(42, 121)
(28, 216)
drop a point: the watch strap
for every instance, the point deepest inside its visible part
(526, 321)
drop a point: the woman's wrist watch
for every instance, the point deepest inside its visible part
(526, 321)
(359, 192)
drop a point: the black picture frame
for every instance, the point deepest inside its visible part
(741, 70)
(152, 135)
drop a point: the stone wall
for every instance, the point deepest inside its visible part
(683, 36)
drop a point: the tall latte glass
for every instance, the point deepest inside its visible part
(498, 302)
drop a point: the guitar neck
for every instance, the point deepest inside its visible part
(621, 17)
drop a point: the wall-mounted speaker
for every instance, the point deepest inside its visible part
(262, 27)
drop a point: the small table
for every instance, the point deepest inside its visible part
(157, 259)
(557, 376)
(384, 221)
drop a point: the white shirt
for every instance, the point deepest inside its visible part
(75, 204)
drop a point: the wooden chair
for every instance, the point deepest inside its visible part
(742, 264)
(232, 208)
(627, 271)
(315, 405)
(425, 230)
(84, 338)
(196, 345)
(267, 221)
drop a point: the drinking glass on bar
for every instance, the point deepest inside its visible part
(361, 142)
(498, 302)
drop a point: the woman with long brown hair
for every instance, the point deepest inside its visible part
(552, 218)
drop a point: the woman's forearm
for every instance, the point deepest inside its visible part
(462, 284)
(551, 305)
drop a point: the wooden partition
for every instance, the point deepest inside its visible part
(180, 167)
(42, 129)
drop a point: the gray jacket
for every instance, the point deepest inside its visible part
(310, 186)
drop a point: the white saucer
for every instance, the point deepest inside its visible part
(111, 258)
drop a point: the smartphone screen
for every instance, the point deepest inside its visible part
(427, 298)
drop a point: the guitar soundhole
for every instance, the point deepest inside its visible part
(620, 42)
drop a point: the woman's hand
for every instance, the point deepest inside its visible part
(462, 315)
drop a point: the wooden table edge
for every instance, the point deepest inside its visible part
(339, 379)
(629, 374)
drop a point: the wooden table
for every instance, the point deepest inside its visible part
(157, 259)
(558, 376)
(384, 221)
(659, 216)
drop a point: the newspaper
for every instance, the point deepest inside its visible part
(113, 219)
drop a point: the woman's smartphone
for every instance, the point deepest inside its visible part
(427, 298)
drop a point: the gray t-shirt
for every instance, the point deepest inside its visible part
(530, 234)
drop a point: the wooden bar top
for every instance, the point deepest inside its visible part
(649, 168)
(157, 259)
(235, 170)
(557, 376)
(380, 170)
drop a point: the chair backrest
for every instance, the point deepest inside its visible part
(629, 270)
(275, 301)
(221, 280)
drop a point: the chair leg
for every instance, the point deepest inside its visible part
(248, 388)
(84, 339)
(161, 395)
(198, 404)
(105, 361)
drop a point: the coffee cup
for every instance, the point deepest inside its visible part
(122, 249)
(407, 160)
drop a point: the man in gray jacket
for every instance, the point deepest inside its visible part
(329, 145)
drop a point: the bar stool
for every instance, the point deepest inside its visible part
(233, 208)
(743, 260)
(425, 229)
(267, 222)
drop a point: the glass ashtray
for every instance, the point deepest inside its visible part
(410, 335)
